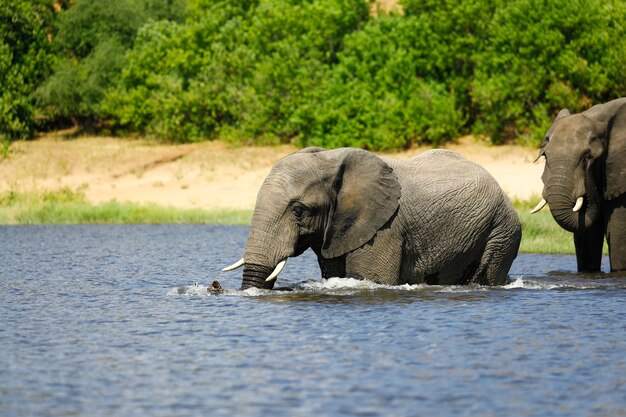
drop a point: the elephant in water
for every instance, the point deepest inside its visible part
(585, 181)
(436, 218)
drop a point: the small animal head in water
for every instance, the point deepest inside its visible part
(215, 288)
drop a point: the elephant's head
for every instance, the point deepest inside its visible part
(331, 201)
(585, 157)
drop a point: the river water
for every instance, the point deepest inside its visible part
(116, 321)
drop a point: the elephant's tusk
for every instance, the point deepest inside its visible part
(277, 270)
(539, 206)
(236, 265)
(579, 204)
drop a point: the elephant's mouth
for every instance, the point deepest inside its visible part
(256, 276)
(567, 218)
(576, 213)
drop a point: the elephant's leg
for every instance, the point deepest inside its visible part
(499, 254)
(616, 234)
(589, 248)
(379, 260)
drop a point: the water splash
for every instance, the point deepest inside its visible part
(354, 284)
(527, 284)
(351, 286)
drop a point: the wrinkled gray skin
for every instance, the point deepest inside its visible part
(586, 156)
(436, 218)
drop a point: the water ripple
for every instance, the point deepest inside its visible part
(117, 321)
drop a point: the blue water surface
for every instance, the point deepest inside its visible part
(116, 321)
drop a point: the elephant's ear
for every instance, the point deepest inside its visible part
(365, 194)
(616, 155)
(563, 113)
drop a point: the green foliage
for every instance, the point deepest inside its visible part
(240, 68)
(5, 144)
(24, 62)
(92, 39)
(545, 55)
(383, 93)
(311, 72)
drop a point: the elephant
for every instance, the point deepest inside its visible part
(436, 218)
(585, 181)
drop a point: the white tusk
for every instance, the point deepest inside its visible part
(579, 204)
(236, 265)
(277, 270)
(539, 206)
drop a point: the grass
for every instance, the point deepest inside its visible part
(5, 144)
(70, 207)
(540, 233)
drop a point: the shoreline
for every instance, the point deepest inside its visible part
(103, 180)
(207, 175)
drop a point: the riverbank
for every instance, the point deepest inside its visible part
(207, 175)
(59, 180)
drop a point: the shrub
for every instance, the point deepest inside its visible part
(383, 93)
(93, 38)
(546, 55)
(319, 72)
(238, 68)
(24, 63)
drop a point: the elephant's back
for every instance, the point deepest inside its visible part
(443, 172)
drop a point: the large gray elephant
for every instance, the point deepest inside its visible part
(436, 218)
(585, 181)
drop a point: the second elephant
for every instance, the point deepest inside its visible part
(436, 218)
(585, 181)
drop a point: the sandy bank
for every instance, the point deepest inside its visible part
(204, 175)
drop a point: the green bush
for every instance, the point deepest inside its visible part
(239, 69)
(311, 72)
(66, 206)
(383, 93)
(24, 62)
(92, 39)
(545, 55)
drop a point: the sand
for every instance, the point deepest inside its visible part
(209, 175)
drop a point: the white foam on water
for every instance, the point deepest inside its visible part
(191, 290)
(354, 284)
(349, 286)
(254, 292)
(461, 288)
(518, 283)
(203, 290)
(530, 285)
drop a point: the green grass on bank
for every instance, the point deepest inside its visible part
(540, 233)
(70, 207)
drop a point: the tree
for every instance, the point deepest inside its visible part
(542, 56)
(92, 41)
(25, 30)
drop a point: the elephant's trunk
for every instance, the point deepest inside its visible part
(564, 205)
(269, 244)
(255, 276)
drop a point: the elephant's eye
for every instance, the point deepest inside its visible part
(297, 211)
